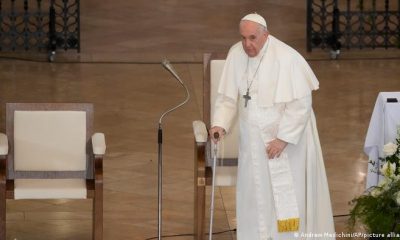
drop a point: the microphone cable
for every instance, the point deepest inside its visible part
(191, 234)
(221, 232)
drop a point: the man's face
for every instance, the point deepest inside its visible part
(253, 37)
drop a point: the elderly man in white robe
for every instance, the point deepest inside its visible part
(282, 189)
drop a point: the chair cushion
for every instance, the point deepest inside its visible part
(49, 140)
(50, 189)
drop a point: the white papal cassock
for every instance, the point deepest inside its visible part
(280, 107)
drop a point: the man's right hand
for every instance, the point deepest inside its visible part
(219, 130)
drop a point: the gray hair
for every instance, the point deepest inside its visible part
(263, 28)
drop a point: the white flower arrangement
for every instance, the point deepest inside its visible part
(390, 163)
(378, 209)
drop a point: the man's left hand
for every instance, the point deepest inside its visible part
(275, 148)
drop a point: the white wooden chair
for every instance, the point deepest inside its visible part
(226, 169)
(50, 152)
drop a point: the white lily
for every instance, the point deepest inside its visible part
(388, 169)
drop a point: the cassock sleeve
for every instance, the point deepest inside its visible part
(294, 120)
(225, 107)
(224, 112)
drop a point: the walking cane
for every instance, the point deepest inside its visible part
(215, 148)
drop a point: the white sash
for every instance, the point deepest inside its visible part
(286, 208)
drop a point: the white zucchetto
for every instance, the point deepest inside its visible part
(254, 17)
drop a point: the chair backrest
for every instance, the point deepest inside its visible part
(213, 66)
(49, 140)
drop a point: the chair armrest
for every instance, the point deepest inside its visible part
(200, 155)
(99, 144)
(200, 131)
(3, 144)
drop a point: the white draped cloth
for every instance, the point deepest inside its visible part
(280, 107)
(382, 129)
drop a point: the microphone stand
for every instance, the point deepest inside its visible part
(167, 66)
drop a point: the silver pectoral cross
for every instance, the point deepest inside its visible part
(246, 98)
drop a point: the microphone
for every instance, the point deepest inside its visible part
(169, 67)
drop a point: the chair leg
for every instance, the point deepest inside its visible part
(199, 212)
(199, 190)
(98, 212)
(3, 210)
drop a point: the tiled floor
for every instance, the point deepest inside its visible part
(122, 45)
